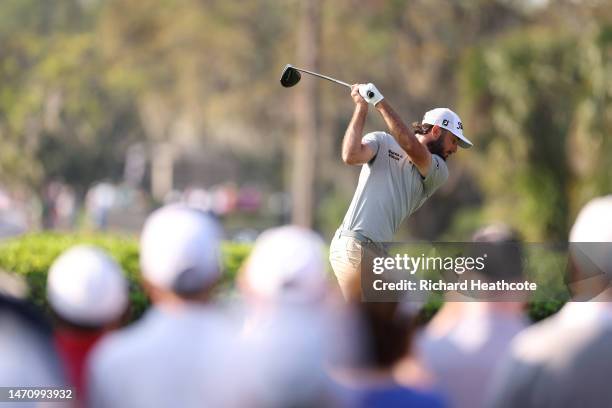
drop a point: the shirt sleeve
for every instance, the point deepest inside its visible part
(373, 141)
(437, 175)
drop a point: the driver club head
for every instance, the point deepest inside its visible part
(290, 76)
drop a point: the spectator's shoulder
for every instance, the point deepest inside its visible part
(537, 342)
(106, 351)
(117, 348)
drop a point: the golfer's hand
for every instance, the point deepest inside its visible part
(370, 93)
(357, 97)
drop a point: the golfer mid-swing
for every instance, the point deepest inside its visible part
(400, 170)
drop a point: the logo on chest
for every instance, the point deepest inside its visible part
(395, 155)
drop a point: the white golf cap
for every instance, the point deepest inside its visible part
(449, 120)
(179, 249)
(593, 227)
(287, 263)
(86, 286)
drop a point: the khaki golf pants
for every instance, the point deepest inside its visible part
(347, 255)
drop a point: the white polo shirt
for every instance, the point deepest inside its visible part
(390, 188)
(167, 359)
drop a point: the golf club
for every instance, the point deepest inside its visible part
(291, 76)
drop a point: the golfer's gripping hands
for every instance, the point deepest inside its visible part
(370, 93)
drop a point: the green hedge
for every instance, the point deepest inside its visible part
(31, 256)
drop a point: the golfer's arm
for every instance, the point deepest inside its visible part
(353, 151)
(418, 154)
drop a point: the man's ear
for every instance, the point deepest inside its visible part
(436, 132)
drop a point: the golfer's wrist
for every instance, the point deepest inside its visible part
(381, 105)
(361, 106)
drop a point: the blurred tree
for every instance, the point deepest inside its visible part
(522, 91)
(590, 148)
(208, 63)
(307, 118)
(541, 103)
(202, 71)
(58, 117)
(87, 125)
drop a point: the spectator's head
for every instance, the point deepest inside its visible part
(591, 248)
(87, 288)
(504, 252)
(287, 264)
(180, 254)
(383, 330)
(386, 334)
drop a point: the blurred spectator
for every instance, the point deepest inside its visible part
(224, 199)
(198, 198)
(464, 341)
(65, 207)
(28, 358)
(279, 204)
(49, 201)
(290, 335)
(386, 339)
(5, 200)
(180, 353)
(249, 199)
(13, 222)
(566, 360)
(88, 293)
(18, 212)
(99, 201)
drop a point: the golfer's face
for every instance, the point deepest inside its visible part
(449, 145)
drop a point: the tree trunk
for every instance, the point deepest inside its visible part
(305, 153)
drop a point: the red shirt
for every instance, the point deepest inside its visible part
(73, 348)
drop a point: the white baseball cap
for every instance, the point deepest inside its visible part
(449, 120)
(179, 249)
(287, 263)
(86, 286)
(591, 236)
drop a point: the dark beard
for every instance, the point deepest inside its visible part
(435, 147)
